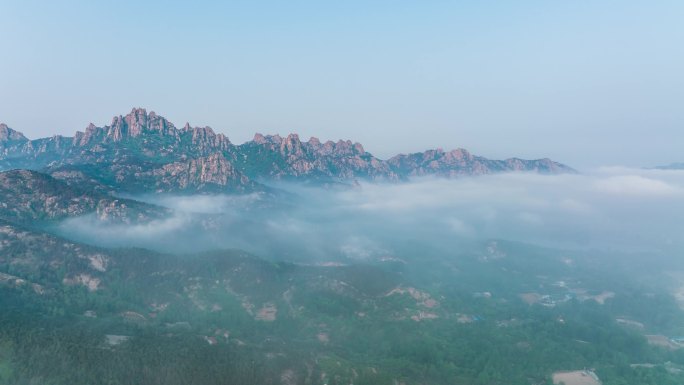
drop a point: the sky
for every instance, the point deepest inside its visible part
(587, 83)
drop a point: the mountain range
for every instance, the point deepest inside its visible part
(144, 152)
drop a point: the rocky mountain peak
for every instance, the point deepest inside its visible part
(82, 138)
(203, 132)
(314, 142)
(259, 138)
(134, 124)
(347, 147)
(291, 144)
(267, 139)
(7, 134)
(138, 121)
(205, 139)
(458, 154)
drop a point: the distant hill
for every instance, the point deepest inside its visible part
(672, 166)
(27, 196)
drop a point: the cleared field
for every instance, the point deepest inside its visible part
(577, 377)
(662, 341)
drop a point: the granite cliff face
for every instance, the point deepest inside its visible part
(144, 152)
(210, 173)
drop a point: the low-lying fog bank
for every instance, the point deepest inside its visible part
(609, 208)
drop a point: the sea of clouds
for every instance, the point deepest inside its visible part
(609, 208)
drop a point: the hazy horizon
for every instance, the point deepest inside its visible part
(587, 85)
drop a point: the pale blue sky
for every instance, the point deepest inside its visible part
(585, 82)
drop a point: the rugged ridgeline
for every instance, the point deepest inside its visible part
(145, 152)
